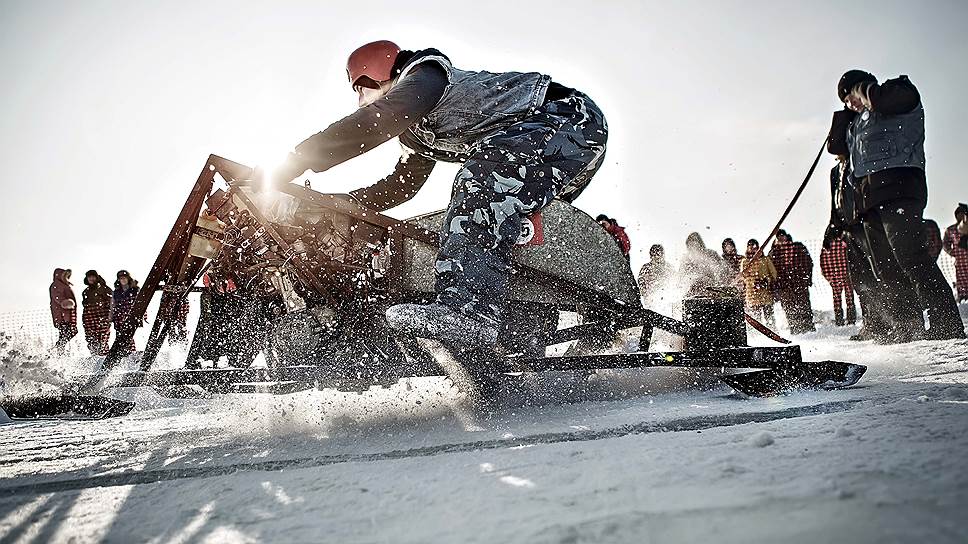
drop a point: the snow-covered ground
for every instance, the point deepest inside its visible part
(881, 462)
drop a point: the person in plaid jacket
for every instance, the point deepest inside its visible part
(835, 269)
(794, 269)
(953, 247)
(96, 300)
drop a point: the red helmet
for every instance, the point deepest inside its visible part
(373, 60)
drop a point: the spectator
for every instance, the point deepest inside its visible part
(732, 261)
(730, 257)
(954, 247)
(933, 234)
(654, 274)
(63, 308)
(794, 269)
(617, 232)
(835, 269)
(881, 130)
(96, 302)
(758, 274)
(125, 292)
(700, 267)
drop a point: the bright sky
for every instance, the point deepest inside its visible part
(108, 110)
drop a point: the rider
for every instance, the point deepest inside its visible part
(522, 139)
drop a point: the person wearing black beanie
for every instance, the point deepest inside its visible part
(880, 133)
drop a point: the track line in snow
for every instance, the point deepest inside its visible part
(693, 423)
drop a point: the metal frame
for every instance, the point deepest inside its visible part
(175, 272)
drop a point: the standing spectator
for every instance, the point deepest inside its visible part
(933, 234)
(654, 274)
(732, 261)
(794, 269)
(954, 247)
(63, 308)
(758, 274)
(125, 291)
(700, 267)
(881, 130)
(96, 302)
(617, 232)
(730, 257)
(835, 269)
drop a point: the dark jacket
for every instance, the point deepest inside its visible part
(893, 97)
(63, 305)
(123, 301)
(97, 297)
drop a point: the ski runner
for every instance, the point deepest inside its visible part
(522, 139)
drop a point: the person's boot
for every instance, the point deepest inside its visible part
(839, 317)
(441, 322)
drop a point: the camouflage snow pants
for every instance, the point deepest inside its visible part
(554, 152)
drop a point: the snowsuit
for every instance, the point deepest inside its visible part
(794, 277)
(835, 269)
(953, 247)
(758, 274)
(96, 301)
(123, 301)
(63, 309)
(885, 145)
(522, 141)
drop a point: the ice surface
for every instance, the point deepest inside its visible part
(635, 461)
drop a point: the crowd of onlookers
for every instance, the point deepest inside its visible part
(101, 308)
(783, 274)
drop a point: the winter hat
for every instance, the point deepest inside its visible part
(603, 217)
(90, 273)
(962, 208)
(851, 78)
(124, 273)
